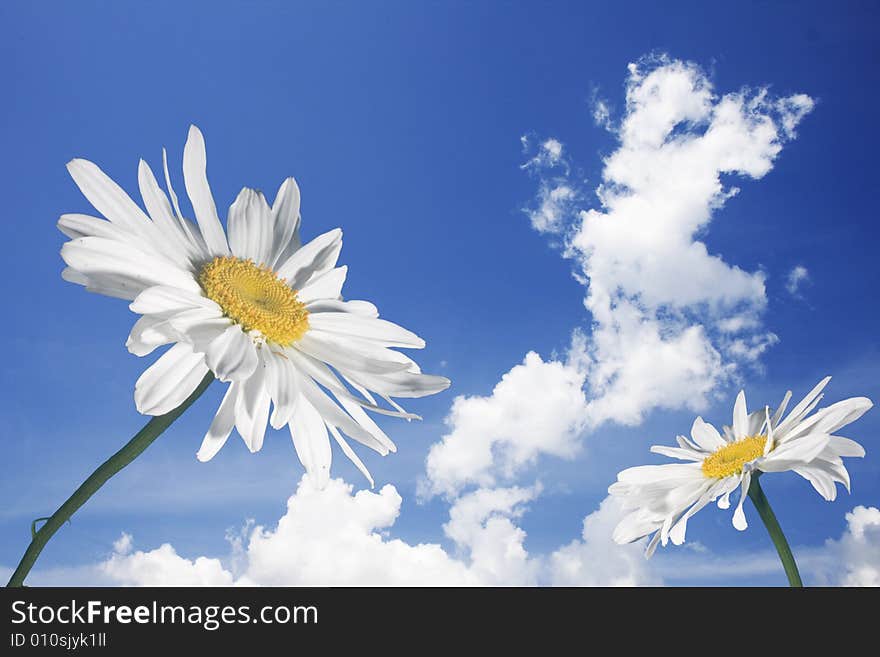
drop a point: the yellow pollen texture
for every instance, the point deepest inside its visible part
(255, 298)
(730, 459)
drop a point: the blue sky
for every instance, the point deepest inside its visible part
(402, 123)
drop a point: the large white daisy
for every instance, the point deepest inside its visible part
(662, 498)
(252, 305)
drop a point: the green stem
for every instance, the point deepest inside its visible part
(99, 477)
(756, 494)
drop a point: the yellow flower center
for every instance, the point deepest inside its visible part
(730, 459)
(255, 298)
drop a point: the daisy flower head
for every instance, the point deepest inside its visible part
(661, 498)
(250, 304)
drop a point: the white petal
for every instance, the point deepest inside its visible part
(678, 453)
(739, 517)
(148, 333)
(311, 442)
(169, 381)
(740, 416)
(82, 225)
(842, 413)
(221, 426)
(356, 306)
(798, 411)
(283, 389)
(129, 267)
(165, 299)
(845, 447)
(252, 410)
(402, 384)
(324, 286)
(108, 198)
(285, 221)
(334, 415)
(160, 211)
(195, 180)
(795, 452)
(820, 480)
(379, 330)
(777, 414)
(250, 227)
(99, 283)
(706, 436)
(232, 355)
(317, 370)
(350, 453)
(367, 423)
(316, 257)
(646, 474)
(348, 354)
(678, 531)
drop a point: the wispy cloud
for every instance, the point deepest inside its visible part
(795, 279)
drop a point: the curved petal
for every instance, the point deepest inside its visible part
(740, 416)
(232, 355)
(350, 453)
(169, 381)
(221, 426)
(250, 227)
(678, 453)
(349, 355)
(309, 434)
(378, 330)
(706, 436)
(739, 517)
(283, 389)
(160, 211)
(402, 384)
(252, 410)
(316, 257)
(148, 333)
(356, 306)
(285, 222)
(195, 179)
(327, 285)
(166, 299)
(108, 198)
(130, 268)
(802, 408)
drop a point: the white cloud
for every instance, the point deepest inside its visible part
(854, 559)
(555, 203)
(596, 560)
(602, 113)
(482, 521)
(796, 277)
(332, 536)
(548, 155)
(537, 408)
(163, 567)
(672, 321)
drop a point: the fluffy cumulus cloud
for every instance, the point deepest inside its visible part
(854, 559)
(596, 560)
(537, 407)
(334, 536)
(662, 303)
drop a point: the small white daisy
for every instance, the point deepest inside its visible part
(663, 497)
(259, 310)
